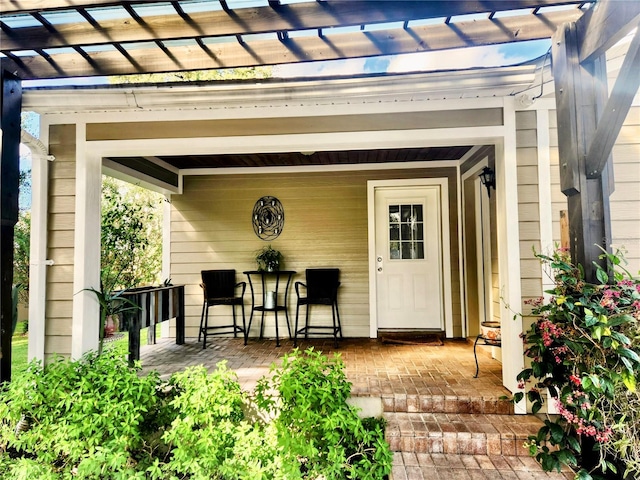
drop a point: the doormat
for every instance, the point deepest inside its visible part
(429, 340)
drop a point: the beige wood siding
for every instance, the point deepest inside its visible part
(325, 226)
(624, 201)
(528, 205)
(62, 144)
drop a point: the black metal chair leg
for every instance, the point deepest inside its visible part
(295, 330)
(335, 331)
(306, 323)
(244, 324)
(235, 323)
(206, 327)
(339, 324)
(475, 355)
(204, 305)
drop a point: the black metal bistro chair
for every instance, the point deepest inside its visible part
(321, 289)
(219, 287)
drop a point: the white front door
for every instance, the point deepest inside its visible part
(408, 258)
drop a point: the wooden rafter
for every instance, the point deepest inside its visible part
(303, 16)
(28, 6)
(303, 49)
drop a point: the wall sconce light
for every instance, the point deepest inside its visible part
(488, 179)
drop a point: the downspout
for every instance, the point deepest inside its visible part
(38, 244)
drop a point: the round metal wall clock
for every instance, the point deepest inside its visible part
(268, 218)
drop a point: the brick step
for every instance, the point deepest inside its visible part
(460, 433)
(446, 404)
(430, 466)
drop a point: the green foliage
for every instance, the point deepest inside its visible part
(86, 418)
(21, 244)
(268, 258)
(307, 396)
(584, 349)
(195, 75)
(131, 235)
(210, 409)
(112, 304)
(97, 418)
(15, 291)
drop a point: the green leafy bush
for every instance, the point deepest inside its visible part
(99, 418)
(584, 348)
(87, 417)
(307, 396)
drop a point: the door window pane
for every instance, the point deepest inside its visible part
(406, 232)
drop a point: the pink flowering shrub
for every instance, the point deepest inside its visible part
(584, 348)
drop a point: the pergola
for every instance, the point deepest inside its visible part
(54, 39)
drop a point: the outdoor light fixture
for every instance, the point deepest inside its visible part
(488, 179)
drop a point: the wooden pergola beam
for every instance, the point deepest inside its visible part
(615, 111)
(29, 6)
(589, 121)
(605, 25)
(303, 49)
(11, 104)
(303, 16)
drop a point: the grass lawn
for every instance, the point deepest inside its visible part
(20, 343)
(19, 346)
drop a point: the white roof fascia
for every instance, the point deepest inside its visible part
(470, 84)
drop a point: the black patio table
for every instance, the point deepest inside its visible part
(267, 306)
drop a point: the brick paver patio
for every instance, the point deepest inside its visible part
(442, 422)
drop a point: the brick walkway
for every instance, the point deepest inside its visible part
(442, 422)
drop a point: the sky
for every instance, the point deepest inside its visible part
(460, 58)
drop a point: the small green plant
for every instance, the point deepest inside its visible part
(209, 410)
(112, 305)
(268, 259)
(584, 348)
(98, 418)
(92, 418)
(307, 396)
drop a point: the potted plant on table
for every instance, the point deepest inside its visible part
(268, 259)
(112, 304)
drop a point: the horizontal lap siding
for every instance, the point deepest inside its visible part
(325, 226)
(528, 205)
(624, 201)
(61, 220)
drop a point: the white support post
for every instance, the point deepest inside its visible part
(544, 189)
(86, 269)
(509, 252)
(165, 327)
(38, 245)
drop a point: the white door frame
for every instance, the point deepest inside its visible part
(372, 185)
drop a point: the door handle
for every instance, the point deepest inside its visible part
(379, 260)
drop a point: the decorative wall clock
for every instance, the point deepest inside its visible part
(268, 218)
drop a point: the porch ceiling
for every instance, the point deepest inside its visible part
(72, 38)
(294, 159)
